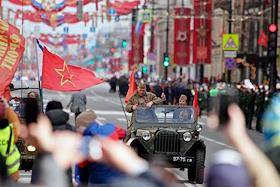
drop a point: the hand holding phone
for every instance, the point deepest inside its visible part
(219, 105)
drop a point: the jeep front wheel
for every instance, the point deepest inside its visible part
(196, 173)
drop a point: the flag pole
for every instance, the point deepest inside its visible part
(38, 74)
(123, 108)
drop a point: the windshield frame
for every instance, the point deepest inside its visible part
(166, 123)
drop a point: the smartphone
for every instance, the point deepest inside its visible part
(30, 110)
(219, 104)
(91, 148)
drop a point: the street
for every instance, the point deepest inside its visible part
(109, 109)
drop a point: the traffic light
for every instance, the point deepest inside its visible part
(272, 40)
(124, 44)
(165, 60)
(144, 69)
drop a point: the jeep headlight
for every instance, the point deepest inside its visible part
(187, 136)
(146, 135)
(198, 128)
(31, 148)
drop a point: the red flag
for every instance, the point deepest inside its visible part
(11, 51)
(263, 39)
(132, 87)
(57, 75)
(195, 102)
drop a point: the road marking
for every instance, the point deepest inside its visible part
(121, 119)
(107, 100)
(215, 141)
(101, 118)
(110, 112)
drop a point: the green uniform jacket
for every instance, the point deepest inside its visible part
(141, 101)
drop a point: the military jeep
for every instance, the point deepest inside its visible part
(172, 133)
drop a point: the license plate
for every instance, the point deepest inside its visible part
(27, 157)
(182, 159)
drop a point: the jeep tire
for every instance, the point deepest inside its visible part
(196, 173)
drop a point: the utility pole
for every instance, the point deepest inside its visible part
(272, 46)
(167, 41)
(229, 32)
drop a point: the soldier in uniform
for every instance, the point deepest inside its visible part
(141, 98)
(260, 106)
(250, 109)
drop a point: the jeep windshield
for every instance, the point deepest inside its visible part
(165, 115)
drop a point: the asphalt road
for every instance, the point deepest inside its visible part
(109, 108)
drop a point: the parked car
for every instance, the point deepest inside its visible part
(172, 133)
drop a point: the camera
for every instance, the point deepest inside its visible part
(219, 104)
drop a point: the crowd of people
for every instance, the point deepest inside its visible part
(100, 157)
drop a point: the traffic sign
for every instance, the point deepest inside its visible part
(230, 63)
(92, 29)
(230, 54)
(112, 11)
(117, 18)
(65, 30)
(230, 42)
(146, 15)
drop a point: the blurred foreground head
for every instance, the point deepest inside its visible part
(271, 132)
(271, 124)
(227, 169)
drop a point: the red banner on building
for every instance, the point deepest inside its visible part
(11, 51)
(182, 36)
(202, 40)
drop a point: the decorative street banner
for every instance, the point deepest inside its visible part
(202, 41)
(182, 36)
(59, 40)
(52, 19)
(123, 7)
(11, 50)
(49, 5)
